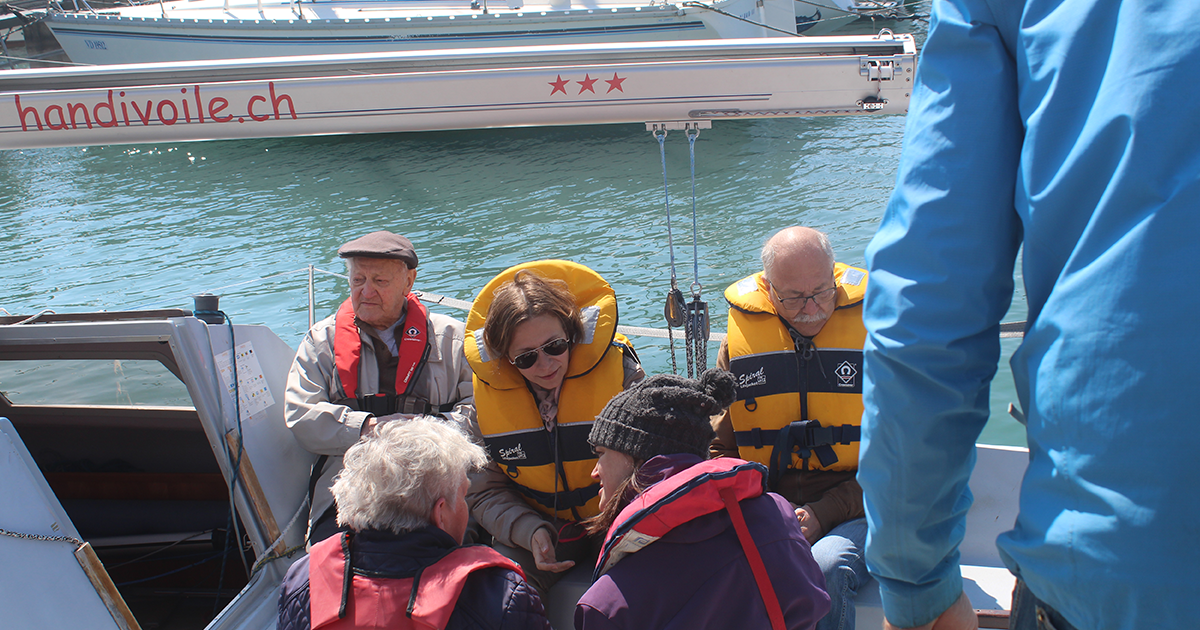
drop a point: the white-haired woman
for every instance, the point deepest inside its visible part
(401, 493)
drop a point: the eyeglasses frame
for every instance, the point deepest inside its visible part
(816, 297)
(540, 349)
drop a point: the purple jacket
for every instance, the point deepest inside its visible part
(697, 576)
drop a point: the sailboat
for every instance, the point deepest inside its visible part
(202, 461)
(185, 30)
(671, 83)
(195, 457)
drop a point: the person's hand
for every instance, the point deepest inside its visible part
(368, 427)
(809, 525)
(543, 553)
(959, 616)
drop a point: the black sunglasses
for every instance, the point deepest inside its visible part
(525, 360)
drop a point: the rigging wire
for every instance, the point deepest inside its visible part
(673, 310)
(693, 318)
(697, 330)
(159, 550)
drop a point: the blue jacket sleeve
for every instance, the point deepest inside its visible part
(941, 270)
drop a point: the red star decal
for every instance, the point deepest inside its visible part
(560, 85)
(615, 83)
(586, 83)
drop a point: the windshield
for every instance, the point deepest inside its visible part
(110, 382)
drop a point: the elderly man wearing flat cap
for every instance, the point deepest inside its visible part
(381, 357)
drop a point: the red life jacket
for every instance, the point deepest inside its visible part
(413, 349)
(707, 487)
(374, 602)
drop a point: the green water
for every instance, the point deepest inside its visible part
(123, 227)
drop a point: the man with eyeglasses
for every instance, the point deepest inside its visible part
(381, 357)
(795, 346)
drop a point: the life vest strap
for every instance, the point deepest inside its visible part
(765, 588)
(529, 447)
(804, 437)
(567, 499)
(387, 404)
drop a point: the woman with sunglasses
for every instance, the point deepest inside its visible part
(543, 345)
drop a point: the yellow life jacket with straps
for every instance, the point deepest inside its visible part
(799, 402)
(552, 470)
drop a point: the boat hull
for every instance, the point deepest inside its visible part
(204, 30)
(457, 89)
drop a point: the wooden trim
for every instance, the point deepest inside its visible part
(258, 500)
(105, 588)
(992, 618)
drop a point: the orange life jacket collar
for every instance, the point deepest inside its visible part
(412, 342)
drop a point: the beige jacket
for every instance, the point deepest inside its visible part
(325, 428)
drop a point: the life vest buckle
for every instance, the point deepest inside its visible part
(813, 434)
(804, 438)
(377, 404)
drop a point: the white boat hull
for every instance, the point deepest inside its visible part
(456, 89)
(204, 29)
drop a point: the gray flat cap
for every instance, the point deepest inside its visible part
(381, 244)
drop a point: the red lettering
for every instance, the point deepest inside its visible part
(22, 111)
(62, 118)
(250, 108)
(112, 112)
(145, 118)
(199, 105)
(174, 113)
(187, 115)
(276, 100)
(125, 111)
(216, 105)
(74, 107)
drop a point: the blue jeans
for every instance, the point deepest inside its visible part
(1031, 613)
(840, 556)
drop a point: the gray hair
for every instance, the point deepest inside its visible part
(770, 247)
(350, 263)
(392, 480)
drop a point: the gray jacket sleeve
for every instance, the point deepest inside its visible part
(319, 425)
(455, 367)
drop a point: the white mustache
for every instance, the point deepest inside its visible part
(801, 318)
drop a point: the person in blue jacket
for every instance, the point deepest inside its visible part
(1068, 127)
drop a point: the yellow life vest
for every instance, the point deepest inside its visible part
(807, 403)
(507, 411)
